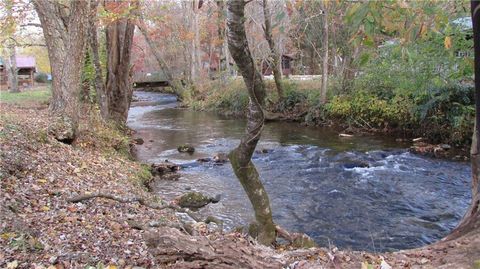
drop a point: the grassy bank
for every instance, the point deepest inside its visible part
(39, 95)
(442, 114)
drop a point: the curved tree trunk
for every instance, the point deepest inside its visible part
(471, 220)
(276, 63)
(240, 157)
(64, 27)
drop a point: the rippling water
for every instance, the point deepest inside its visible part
(364, 193)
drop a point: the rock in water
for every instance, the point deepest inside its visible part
(220, 158)
(195, 200)
(138, 141)
(159, 169)
(186, 148)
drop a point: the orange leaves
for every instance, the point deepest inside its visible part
(447, 42)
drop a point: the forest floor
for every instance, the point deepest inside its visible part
(40, 228)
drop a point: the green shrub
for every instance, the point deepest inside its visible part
(41, 77)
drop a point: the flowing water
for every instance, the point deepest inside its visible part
(364, 193)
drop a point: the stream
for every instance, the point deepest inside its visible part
(360, 193)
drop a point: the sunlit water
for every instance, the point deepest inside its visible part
(316, 181)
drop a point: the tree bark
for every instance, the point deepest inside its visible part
(471, 220)
(275, 57)
(118, 88)
(12, 70)
(240, 157)
(94, 46)
(323, 92)
(64, 27)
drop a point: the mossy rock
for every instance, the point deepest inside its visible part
(194, 200)
(63, 128)
(186, 148)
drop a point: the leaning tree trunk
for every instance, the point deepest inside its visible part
(64, 28)
(119, 90)
(173, 82)
(471, 220)
(276, 64)
(240, 157)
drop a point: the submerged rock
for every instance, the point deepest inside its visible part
(204, 160)
(356, 164)
(195, 200)
(186, 148)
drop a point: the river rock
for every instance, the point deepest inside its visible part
(356, 164)
(220, 158)
(138, 141)
(263, 151)
(204, 160)
(160, 169)
(186, 148)
(195, 200)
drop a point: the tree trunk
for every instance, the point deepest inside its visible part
(323, 92)
(118, 88)
(64, 28)
(275, 57)
(99, 83)
(240, 157)
(11, 67)
(471, 220)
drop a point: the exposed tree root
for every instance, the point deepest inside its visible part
(140, 200)
(171, 247)
(298, 240)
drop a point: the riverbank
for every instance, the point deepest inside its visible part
(446, 118)
(41, 227)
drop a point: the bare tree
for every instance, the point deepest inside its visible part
(274, 56)
(174, 82)
(241, 156)
(65, 30)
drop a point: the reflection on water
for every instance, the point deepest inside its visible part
(360, 193)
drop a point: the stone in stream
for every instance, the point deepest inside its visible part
(138, 141)
(263, 151)
(196, 200)
(355, 164)
(160, 169)
(186, 148)
(220, 158)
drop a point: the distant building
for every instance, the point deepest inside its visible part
(287, 68)
(26, 68)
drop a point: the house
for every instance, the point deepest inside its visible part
(287, 69)
(26, 68)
